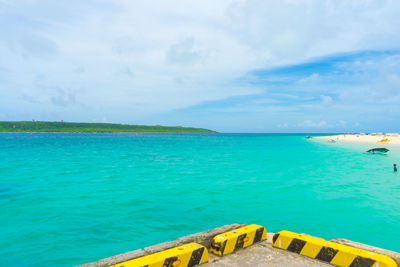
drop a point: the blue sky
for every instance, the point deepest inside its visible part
(228, 65)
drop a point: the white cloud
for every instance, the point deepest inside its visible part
(183, 52)
(127, 59)
(283, 125)
(376, 92)
(313, 78)
(311, 124)
(326, 100)
(342, 123)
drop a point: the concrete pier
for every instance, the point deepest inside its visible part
(262, 254)
(259, 254)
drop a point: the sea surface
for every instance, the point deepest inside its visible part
(68, 199)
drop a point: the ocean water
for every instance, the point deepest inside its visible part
(67, 199)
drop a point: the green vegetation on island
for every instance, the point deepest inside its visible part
(78, 127)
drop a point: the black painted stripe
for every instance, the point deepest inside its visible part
(258, 235)
(223, 247)
(274, 238)
(219, 246)
(168, 261)
(362, 262)
(239, 241)
(196, 257)
(296, 245)
(326, 254)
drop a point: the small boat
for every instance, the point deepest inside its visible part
(378, 150)
(331, 141)
(384, 140)
(308, 137)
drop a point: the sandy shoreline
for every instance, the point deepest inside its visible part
(394, 139)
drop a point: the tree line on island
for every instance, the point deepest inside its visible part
(83, 127)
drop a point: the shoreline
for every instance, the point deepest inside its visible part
(393, 139)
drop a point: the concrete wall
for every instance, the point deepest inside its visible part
(394, 255)
(203, 238)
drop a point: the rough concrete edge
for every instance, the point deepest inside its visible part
(394, 255)
(116, 259)
(203, 238)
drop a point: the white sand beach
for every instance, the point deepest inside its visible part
(393, 139)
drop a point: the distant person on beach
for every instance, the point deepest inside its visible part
(394, 167)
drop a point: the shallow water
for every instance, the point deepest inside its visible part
(67, 199)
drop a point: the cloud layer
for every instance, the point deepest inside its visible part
(228, 65)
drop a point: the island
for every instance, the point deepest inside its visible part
(82, 127)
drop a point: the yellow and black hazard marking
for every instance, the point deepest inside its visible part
(236, 239)
(331, 252)
(183, 256)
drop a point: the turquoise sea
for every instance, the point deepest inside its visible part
(67, 199)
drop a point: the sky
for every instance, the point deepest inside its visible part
(228, 65)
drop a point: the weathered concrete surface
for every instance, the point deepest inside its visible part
(394, 255)
(203, 238)
(117, 258)
(262, 254)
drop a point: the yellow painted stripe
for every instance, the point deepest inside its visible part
(242, 237)
(181, 256)
(334, 253)
(311, 250)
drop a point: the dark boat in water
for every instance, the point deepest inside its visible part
(377, 150)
